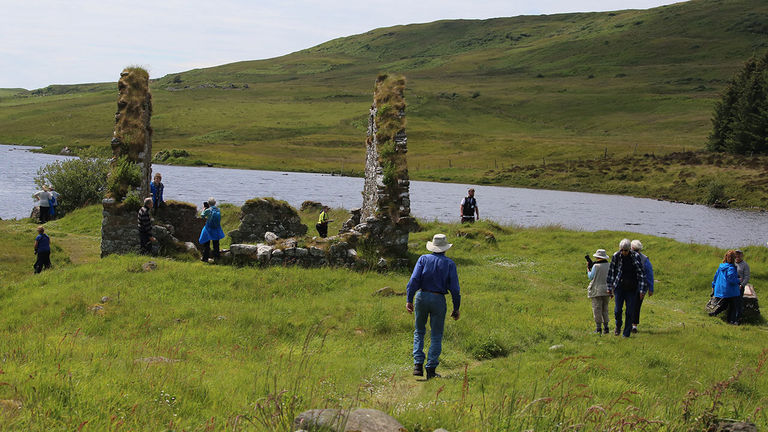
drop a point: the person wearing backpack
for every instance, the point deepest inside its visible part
(42, 250)
(468, 208)
(212, 231)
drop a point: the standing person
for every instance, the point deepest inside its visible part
(637, 246)
(468, 208)
(598, 291)
(626, 281)
(743, 271)
(53, 202)
(725, 285)
(212, 231)
(42, 250)
(145, 227)
(433, 277)
(156, 187)
(43, 197)
(322, 222)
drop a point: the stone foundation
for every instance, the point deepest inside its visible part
(261, 215)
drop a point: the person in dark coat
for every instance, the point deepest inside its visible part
(145, 227)
(42, 250)
(626, 281)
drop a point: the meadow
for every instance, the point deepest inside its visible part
(198, 347)
(483, 96)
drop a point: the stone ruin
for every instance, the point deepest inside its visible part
(132, 146)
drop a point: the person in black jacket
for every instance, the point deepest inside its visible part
(145, 227)
(468, 208)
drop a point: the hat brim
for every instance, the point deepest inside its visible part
(432, 248)
(601, 256)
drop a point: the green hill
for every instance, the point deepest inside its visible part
(482, 95)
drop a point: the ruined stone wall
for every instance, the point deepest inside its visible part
(386, 211)
(132, 137)
(261, 215)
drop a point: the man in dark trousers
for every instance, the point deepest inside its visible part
(468, 208)
(145, 227)
(42, 250)
(626, 281)
(433, 277)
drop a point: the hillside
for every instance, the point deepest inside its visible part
(192, 346)
(482, 95)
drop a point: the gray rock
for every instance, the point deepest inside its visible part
(316, 252)
(440, 430)
(149, 266)
(385, 292)
(270, 237)
(734, 426)
(363, 420)
(301, 252)
(556, 347)
(264, 252)
(244, 250)
(105, 299)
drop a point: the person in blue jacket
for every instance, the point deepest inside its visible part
(637, 246)
(433, 277)
(212, 231)
(156, 187)
(725, 285)
(42, 250)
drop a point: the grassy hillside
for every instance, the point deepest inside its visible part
(482, 94)
(192, 346)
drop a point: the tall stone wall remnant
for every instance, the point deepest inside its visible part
(386, 212)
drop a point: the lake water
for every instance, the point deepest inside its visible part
(430, 201)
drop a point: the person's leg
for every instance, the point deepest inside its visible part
(215, 248)
(206, 251)
(636, 315)
(38, 266)
(629, 315)
(617, 309)
(733, 309)
(144, 244)
(46, 259)
(606, 300)
(597, 313)
(437, 311)
(420, 328)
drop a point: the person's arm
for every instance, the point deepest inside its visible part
(745, 279)
(461, 208)
(649, 276)
(591, 272)
(414, 284)
(611, 279)
(36, 243)
(453, 288)
(477, 210)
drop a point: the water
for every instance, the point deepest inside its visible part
(430, 201)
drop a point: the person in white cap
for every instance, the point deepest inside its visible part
(433, 277)
(597, 291)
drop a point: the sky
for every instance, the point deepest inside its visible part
(45, 42)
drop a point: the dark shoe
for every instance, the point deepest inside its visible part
(634, 329)
(432, 374)
(626, 336)
(418, 369)
(617, 331)
(598, 331)
(605, 330)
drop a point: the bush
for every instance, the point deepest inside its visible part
(125, 176)
(80, 182)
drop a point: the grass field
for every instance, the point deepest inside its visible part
(482, 95)
(201, 347)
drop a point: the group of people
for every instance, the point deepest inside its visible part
(48, 201)
(627, 278)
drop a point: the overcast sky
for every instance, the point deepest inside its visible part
(46, 42)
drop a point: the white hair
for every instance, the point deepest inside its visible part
(147, 201)
(624, 244)
(212, 201)
(637, 246)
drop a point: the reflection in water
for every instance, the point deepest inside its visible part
(430, 201)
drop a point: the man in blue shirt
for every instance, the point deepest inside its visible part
(42, 250)
(433, 277)
(626, 281)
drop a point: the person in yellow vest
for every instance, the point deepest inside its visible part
(322, 223)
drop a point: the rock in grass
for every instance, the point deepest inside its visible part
(732, 426)
(556, 347)
(149, 266)
(363, 420)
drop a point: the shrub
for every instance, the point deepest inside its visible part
(125, 176)
(715, 192)
(79, 181)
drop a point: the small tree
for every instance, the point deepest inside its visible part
(740, 119)
(79, 181)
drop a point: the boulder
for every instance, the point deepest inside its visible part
(361, 419)
(270, 237)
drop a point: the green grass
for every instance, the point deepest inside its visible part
(253, 347)
(481, 94)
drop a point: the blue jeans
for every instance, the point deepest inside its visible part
(428, 305)
(630, 297)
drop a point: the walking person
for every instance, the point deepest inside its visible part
(212, 232)
(468, 208)
(725, 285)
(433, 277)
(54, 202)
(145, 227)
(598, 292)
(42, 250)
(637, 246)
(157, 187)
(626, 281)
(43, 197)
(322, 222)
